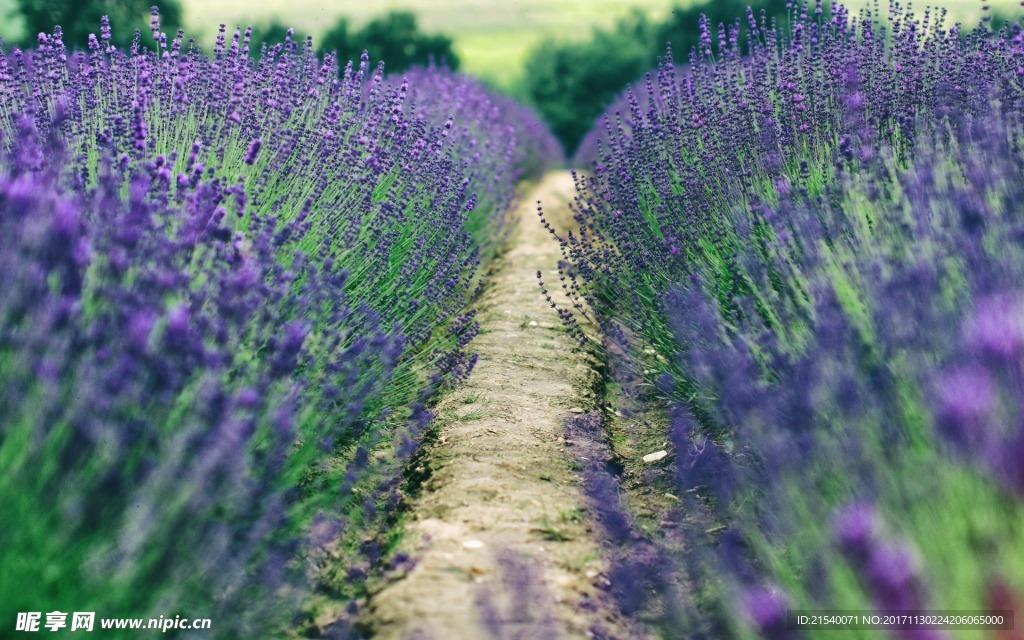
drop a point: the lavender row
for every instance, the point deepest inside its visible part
(809, 246)
(230, 287)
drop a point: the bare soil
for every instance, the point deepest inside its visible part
(503, 544)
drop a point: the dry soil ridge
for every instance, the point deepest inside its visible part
(503, 484)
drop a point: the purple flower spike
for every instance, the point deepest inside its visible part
(140, 327)
(254, 151)
(996, 329)
(967, 397)
(768, 610)
(890, 570)
(856, 528)
(1008, 461)
(177, 320)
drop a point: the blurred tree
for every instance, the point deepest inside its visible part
(272, 33)
(339, 39)
(571, 83)
(682, 27)
(1002, 18)
(394, 38)
(79, 18)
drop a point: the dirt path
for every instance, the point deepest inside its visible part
(504, 549)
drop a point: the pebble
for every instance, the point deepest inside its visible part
(532, 323)
(473, 544)
(576, 410)
(657, 455)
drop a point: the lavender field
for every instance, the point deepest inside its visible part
(304, 347)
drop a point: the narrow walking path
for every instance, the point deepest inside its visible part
(504, 549)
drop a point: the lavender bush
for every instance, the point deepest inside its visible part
(229, 288)
(507, 141)
(809, 246)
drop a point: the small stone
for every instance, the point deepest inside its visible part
(477, 570)
(657, 455)
(591, 573)
(532, 323)
(562, 580)
(473, 544)
(576, 410)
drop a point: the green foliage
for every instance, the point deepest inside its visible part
(339, 39)
(682, 27)
(571, 83)
(394, 38)
(79, 18)
(271, 33)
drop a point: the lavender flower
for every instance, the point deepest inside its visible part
(768, 610)
(889, 569)
(805, 249)
(224, 284)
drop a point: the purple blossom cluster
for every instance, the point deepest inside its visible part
(229, 288)
(762, 115)
(638, 573)
(507, 140)
(156, 375)
(616, 118)
(888, 568)
(977, 394)
(810, 247)
(906, 360)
